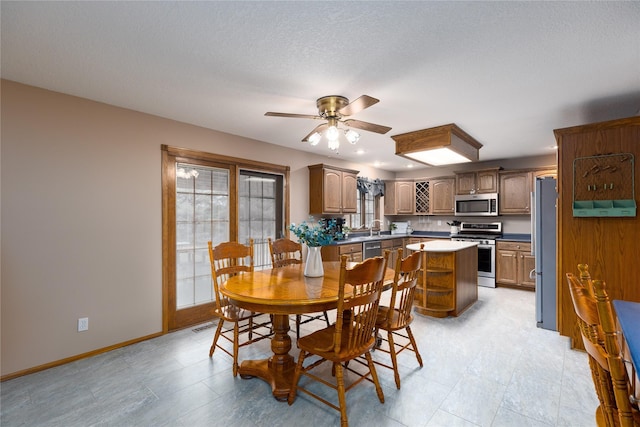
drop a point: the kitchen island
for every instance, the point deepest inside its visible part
(448, 284)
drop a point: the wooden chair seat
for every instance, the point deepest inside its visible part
(231, 313)
(352, 336)
(391, 321)
(321, 343)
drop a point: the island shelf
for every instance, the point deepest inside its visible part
(448, 283)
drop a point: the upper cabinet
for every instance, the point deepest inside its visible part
(442, 195)
(481, 181)
(399, 198)
(332, 190)
(428, 196)
(515, 193)
(516, 187)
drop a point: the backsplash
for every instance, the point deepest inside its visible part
(518, 224)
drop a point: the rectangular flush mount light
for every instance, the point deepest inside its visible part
(442, 145)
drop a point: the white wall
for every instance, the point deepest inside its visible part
(81, 219)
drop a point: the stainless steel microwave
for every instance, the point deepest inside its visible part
(477, 204)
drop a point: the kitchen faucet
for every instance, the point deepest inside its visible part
(371, 227)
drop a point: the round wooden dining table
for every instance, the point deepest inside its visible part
(281, 292)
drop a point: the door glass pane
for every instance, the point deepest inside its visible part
(202, 215)
(260, 207)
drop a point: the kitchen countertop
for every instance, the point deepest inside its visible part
(513, 237)
(388, 236)
(442, 246)
(510, 237)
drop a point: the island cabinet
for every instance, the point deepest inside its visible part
(475, 182)
(442, 195)
(335, 252)
(515, 193)
(399, 198)
(514, 264)
(448, 283)
(332, 190)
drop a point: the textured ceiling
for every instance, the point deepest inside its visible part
(508, 73)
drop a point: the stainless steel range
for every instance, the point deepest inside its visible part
(485, 234)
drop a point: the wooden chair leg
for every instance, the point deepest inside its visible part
(296, 378)
(394, 358)
(341, 394)
(374, 376)
(415, 345)
(216, 336)
(235, 349)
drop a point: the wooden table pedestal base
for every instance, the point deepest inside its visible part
(278, 369)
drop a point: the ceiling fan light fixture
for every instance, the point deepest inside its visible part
(442, 145)
(352, 136)
(314, 139)
(334, 144)
(332, 133)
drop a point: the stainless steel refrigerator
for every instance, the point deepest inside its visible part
(543, 247)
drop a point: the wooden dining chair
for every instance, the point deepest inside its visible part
(627, 413)
(229, 259)
(287, 252)
(349, 338)
(594, 338)
(396, 319)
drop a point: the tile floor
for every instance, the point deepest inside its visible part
(489, 367)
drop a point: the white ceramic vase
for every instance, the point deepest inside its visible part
(313, 266)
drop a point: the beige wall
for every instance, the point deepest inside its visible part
(81, 219)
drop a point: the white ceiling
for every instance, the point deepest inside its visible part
(508, 73)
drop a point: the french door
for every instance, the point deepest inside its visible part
(213, 198)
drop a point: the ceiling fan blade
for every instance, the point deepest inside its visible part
(371, 127)
(295, 116)
(318, 129)
(365, 101)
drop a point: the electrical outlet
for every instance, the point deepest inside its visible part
(439, 222)
(83, 324)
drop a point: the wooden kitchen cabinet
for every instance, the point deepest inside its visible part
(515, 193)
(334, 252)
(332, 190)
(442, 197)
(399, 198)
(475, 182)
(514, 264)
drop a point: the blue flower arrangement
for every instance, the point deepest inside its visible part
(321, 234)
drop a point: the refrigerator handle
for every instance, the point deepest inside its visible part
(533, 223)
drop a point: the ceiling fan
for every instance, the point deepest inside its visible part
(333, 109)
